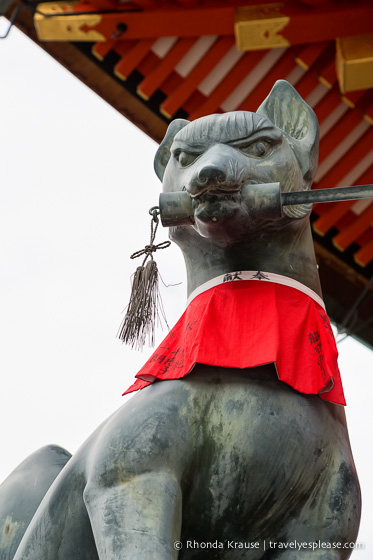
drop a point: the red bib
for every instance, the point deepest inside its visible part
(250, 321)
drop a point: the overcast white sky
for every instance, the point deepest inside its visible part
(77, 181)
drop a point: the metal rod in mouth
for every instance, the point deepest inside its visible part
(176, 208)
(336, 194)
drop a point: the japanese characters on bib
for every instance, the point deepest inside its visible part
(250, 318)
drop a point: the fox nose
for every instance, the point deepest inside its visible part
(210, 174)
(220, 169)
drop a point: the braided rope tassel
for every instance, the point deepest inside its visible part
(145, 307)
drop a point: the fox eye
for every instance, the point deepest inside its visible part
(257, 149)
(185, 158)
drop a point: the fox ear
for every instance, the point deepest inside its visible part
(164, 151)
(289, 112)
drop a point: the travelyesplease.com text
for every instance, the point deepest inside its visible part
(267, 544)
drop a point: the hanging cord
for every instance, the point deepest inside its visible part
(151, 248)
(145, 307)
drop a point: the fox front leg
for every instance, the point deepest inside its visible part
(137, 520)
(133, 494)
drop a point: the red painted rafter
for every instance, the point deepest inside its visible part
(365, 238)
(314, 3)
(310, 80)
(100, 50)
(328, 75)
(338, 133)
(353, 97)
(354, 230)
(353, 156)
(332, 99)
(132, 58)
(194, 102)
(281, 69)
(333, 212)
(192, 81)
(147, 4)
(365, 255)
(154, 79)
(229, 83)
(328, 104)
(309, 54)
(343, 128)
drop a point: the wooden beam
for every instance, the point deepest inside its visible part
(261, 27)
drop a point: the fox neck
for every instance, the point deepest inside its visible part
(288, 252)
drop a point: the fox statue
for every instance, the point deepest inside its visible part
(236, 440)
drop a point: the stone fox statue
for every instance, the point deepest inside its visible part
(237, 442)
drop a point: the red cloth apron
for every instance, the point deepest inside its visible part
(248, 323)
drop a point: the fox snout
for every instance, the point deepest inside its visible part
(216, 171)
